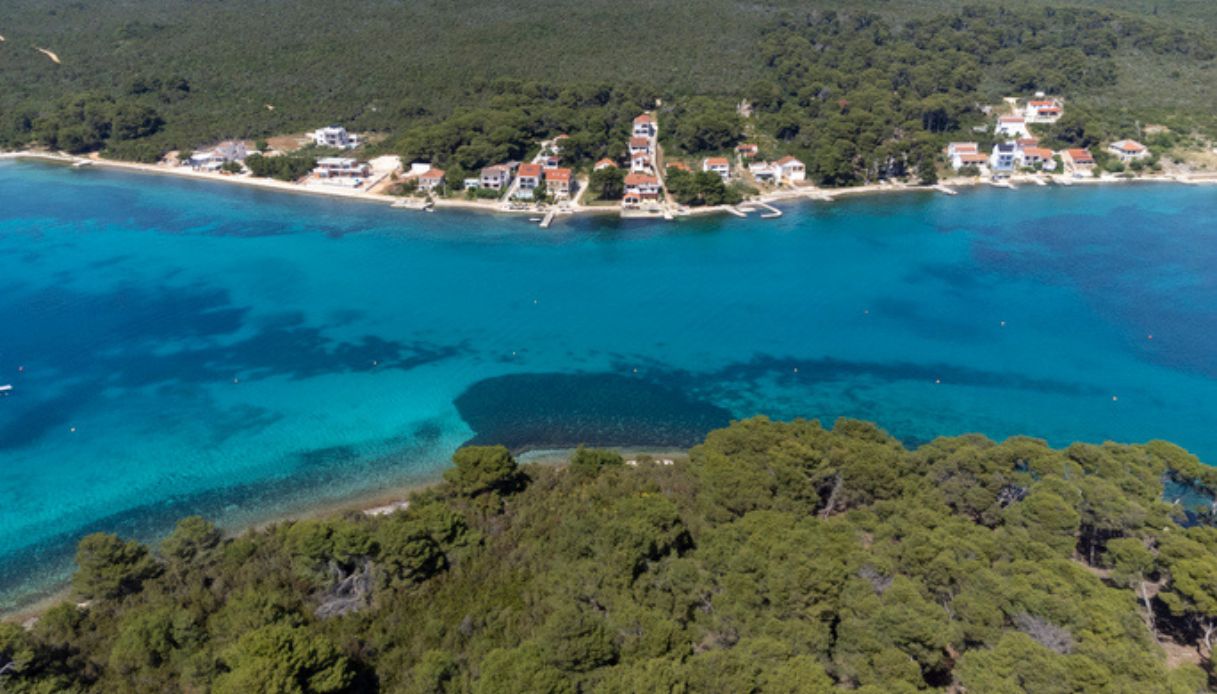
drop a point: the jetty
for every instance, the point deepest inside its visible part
(771, 212)
(735, 211)
(946, 190)
(549, 217)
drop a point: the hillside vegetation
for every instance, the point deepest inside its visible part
(140, 78)
(781, 557)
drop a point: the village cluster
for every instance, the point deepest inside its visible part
(522, 186)
(1018, 149)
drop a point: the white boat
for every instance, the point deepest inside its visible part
(5, 389)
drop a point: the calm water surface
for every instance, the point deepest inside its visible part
(187, 347)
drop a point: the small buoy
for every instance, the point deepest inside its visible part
(1149, 337)
(513, 354)
(1003, 324)
(635, 370)
(866, 311)
(73, 430)
(236, 380)
(375, 362)
(796, 369)
(1114, 398)
(534, 301)
(20, 369)
(937, 381)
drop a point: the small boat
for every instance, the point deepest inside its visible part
(81, 163)
(534, 219)
(6, 389)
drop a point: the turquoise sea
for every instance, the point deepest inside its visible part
(182, 346)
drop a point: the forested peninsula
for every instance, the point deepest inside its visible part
(865, 93)
(780, 557)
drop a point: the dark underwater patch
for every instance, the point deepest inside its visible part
(554, 410)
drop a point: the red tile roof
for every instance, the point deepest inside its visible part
(640, 179)
(644, 118)
(679, 165)
(606, 162)
(640, 142)
(433, 173)
(788, 160)
(558, 175)
(973, 158)
(1040, 152)
(1011, 119)
(531, 170)
(1129, 146)
(1080, 156)
(717, 161)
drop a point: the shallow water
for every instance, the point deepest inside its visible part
(188, 346)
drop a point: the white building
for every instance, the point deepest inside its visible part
(335, 136)
(764, 172)
(1012, 127)
(213, 159)
(341, 167)
(962, 154)
(1128, 150)
(1043, 110)
(1003, 157)
(645, 126)
(792, 169)
(718, 165)
(496, 177)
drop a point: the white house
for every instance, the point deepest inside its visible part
(764, 172)
(792, 169)
(605, 163)
(340, 167)
(213, 159)
(529, 176)
(640, 144)
(640, 162)
(1031, 157)
(644, 186)
(1012, 127)
(957, 150)
(335, 136)
(1043, 110)
(645, 126)
(496, 177)
(1128, 150)
(1003, 156)
(559, 181)
(718, 165)
(431, 180)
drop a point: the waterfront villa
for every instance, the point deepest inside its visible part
(213, 159)
(645, 126)
(1043, 110)
(1078, 159)
(764, 172)
(792, 169)
(1012, 126)
(335, 136)
(1033, 156)
(341, 167)
(718, 165)
(529, 176)
(747, 150)
(558, 182)
(640, 187)
(957, 150)
(1128, 150)
(434, 178)
(1003, 156)
(605, 163)
(496, 177)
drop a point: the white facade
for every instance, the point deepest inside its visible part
(1012, 127)
(335, 136)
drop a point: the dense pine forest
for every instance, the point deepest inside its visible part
(868, 91)
(780, 557)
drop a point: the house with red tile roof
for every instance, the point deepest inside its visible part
(792, 169)
(640, 144)
(1043, 110)
(718, 165)
(747, 150)
(432, 179)
(646, 186)
(559, 182)
(496, 177)
(605, 163)
(1078, 159)
(529, 176)
(1128, 150)
(1012, 126)
(645, 126)
(680, 166)
(640, 161)
(1032, 156)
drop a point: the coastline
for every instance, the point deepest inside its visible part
(804, 193)
(372, 502)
